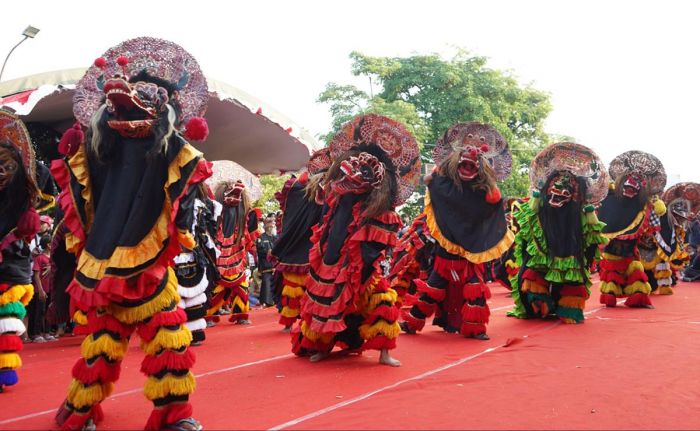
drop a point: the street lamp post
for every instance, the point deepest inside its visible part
(28, 32)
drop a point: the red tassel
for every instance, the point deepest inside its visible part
(434, 293)
(608, 299)
(259, 111)
(414, 323)
(470, 329)
(197, 129)
(579, 291)
(165, 318)
(638, 300)
(493, 196)
(379, 342)
(10, 343)
(168, 359)
(475, 314)
(168, 415)
(71, 139)
(100, 370)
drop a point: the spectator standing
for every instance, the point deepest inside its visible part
(264, 246)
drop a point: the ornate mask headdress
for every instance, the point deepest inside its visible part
(366, 171)
(641, 170)
(476, 142)
(683, 199)
(15, 140)
(555, 172)
(137, 80)
(319, 161)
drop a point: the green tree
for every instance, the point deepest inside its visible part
(270, 185)
(429, 94)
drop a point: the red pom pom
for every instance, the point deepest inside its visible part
(197, 129)
(122, 61)
(288, 130)
(71, 140)
(484, 148)
(100, 62)
(493, 196)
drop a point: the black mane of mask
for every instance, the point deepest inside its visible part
(562, 226)
(14, 199)
(618, 212)
(230, 218)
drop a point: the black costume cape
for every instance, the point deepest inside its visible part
(463, 223)
(294, 242)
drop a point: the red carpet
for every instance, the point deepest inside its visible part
(624, 368)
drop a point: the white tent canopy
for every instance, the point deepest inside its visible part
(241, 128)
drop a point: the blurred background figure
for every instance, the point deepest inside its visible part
(265, 267)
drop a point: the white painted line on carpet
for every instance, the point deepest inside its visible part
(429, 373)
(134, 391)
(397, 384)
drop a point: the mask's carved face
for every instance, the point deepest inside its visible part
(472, 146)
(632, 186)
(469, 164)
(134, 107)
(680, 209)
(9, 165)
(233, 194)
(562, 189)
(360, 174)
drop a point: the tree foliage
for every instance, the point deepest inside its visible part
(429, 94)
(270, 185)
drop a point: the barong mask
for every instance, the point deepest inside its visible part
(360, 174)
(140, 83)
(566, 172)
(234, 194)
(16, 155)
(683, 199)
(563, 188)
(384, 156)
(470, 159)
(135, 107)
(638, 174)
(632, 186)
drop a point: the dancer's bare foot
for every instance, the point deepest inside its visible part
(243, 322)
(319, 356)
(287, 329)
(386, 359)
(189, 424)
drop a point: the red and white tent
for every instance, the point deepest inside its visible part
(241, 128)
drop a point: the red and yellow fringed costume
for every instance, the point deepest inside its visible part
(630, 211)
(347, 299)
(301, 202)
(127, 195)
(19, 222)
(236, 236)
(412, 260)
(466, 216)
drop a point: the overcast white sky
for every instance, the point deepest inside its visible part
(622, 74)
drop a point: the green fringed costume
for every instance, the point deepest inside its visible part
(532, 253)
(559, 234)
